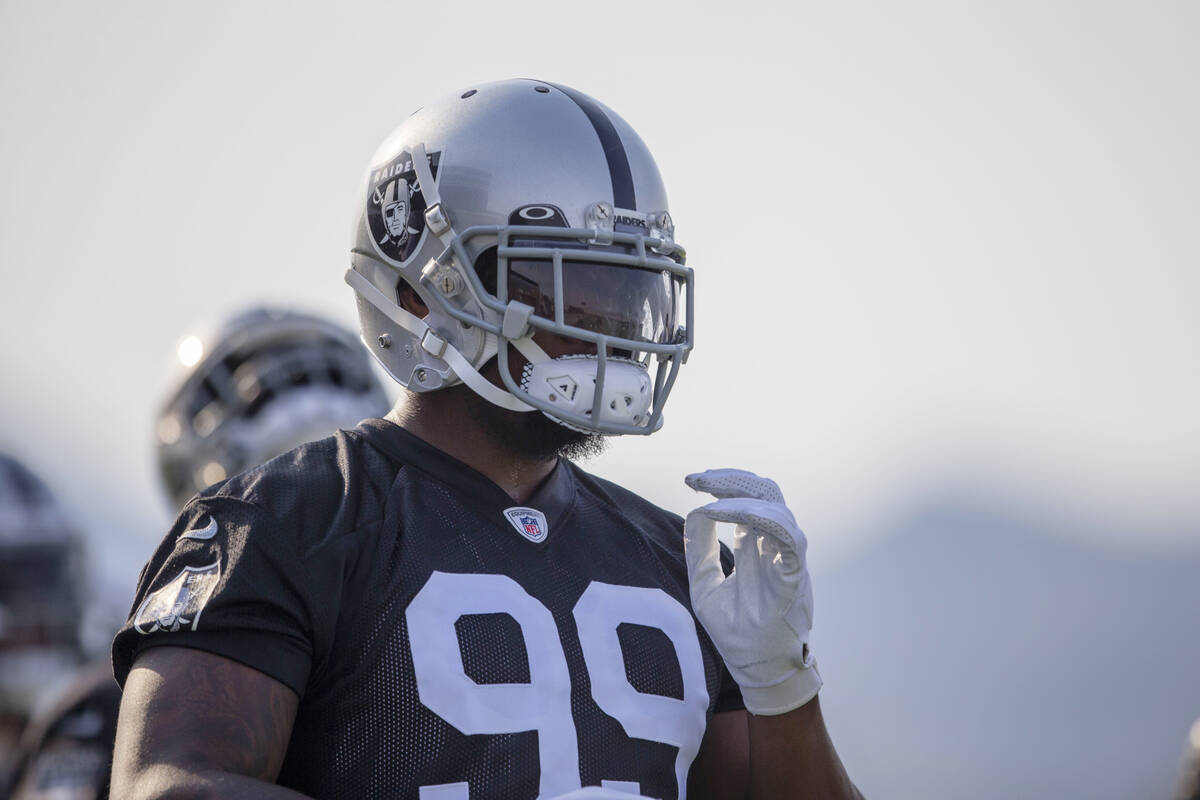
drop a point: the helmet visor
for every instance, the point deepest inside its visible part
(643, 305)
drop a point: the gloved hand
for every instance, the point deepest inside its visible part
(760, 616)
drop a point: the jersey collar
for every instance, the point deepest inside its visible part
(553, 498)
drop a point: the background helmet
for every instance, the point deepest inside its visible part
(263, 382)
(1187, 786)
(529, 208)
(40, 589)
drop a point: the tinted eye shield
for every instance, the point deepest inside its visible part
(620, 302)
(568, 252)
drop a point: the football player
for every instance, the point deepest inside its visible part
(256, 385)
(261, 382)
(440, 604)
(40, 603)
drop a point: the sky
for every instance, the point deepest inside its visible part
(937, 242)
(939, 246)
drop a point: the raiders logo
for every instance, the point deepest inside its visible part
(396, 206)
(177, 605)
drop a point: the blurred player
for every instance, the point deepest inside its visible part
(40, 603)
(441, 605)
(260, 383)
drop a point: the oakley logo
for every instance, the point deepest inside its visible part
(538, 214)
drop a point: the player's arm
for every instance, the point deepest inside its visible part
(786, 755)
(720, 770)
(791, 755)
(759, 618)
(198, 725)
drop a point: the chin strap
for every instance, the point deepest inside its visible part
(440, 348)
(439, 224)
(532, 351)
(435, 215)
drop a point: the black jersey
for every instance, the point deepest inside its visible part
(444, 642)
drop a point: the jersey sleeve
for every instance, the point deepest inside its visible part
(729, 697)
(230, 579)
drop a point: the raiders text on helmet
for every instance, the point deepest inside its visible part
(518, 208)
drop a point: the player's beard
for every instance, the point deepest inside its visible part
(533, 435)
(530, 434)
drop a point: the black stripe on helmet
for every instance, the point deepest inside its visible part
(614, 152)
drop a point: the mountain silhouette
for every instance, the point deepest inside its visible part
(989, 650)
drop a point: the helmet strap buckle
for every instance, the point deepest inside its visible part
(436, 219)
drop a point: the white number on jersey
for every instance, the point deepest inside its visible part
(544, 704)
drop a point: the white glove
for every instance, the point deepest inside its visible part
(760, 616)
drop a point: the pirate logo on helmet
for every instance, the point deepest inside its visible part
(395, 210)
(396, 206)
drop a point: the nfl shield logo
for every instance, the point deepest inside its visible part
(529, 522)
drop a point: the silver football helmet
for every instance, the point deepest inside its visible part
(261, 383)
(525, 213)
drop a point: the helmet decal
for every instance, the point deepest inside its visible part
(624, 195)
(396, 207)
(539, 214)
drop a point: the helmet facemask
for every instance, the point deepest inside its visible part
(602, 327)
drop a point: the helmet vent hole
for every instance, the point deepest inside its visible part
(468, 93)
(542, 89)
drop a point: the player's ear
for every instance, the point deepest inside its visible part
(411, 302)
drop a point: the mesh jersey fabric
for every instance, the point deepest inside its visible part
(430, 642)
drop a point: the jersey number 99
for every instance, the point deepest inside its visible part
(544, 703)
